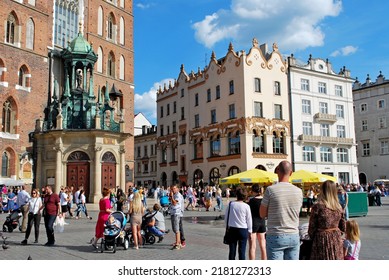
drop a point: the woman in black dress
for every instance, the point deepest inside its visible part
(259, 224)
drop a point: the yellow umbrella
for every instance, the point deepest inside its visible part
(304, 176)
(251, 176)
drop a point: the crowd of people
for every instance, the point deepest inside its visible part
(269, 217)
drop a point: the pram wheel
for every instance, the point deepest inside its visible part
(10, 229)
(5, 228)
(126, 243)
(150, 239)
(102, 246)
(114, 248)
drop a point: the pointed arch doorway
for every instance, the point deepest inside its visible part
(78, 171)
(108, 171)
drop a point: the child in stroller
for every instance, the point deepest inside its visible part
(114, 233)
(12, 221)
(165, 203)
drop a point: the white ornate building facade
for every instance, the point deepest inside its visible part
(229, 117)
(323, 135)
(371, 101)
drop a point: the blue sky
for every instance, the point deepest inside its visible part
(168, 33)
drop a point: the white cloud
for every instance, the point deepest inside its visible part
(143, 6)
(345, 51)
(146, 104)
(292, 24)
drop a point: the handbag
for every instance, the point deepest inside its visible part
(228, 238)
(352, 258)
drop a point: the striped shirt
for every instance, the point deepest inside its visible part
(284, 202)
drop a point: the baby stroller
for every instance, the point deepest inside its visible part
(165, 203)
(12, 221)
(149, 236)
(113, 236)
(305, 242)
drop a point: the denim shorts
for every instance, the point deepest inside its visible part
(283, 247)
(175, 223)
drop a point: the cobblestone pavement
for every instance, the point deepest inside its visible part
(203, 232)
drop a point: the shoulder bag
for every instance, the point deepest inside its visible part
(351, 258)
(228, 238)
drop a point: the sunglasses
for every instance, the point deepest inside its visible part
(34, 193)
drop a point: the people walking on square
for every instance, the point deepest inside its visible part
(310, 198)
(34, 216)
(52, 208)
(81, 206)
(121, 198)
(191, 197)
(208, 198)
(105, 209)
(281, 205)
(219, 200)
(64, 199)
(258, 224)
(176, 214)
(343, 200)
(352, 243)
(70, 201)
(377, 196)
(326, 225)
(23, 197)
(136, 211)
(240, 224)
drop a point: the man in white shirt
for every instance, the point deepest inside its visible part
(22, 200)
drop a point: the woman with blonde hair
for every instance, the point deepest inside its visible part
(352, 243)
(136, 211)
(326, 225)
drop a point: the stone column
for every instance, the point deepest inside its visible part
(96, 185)
(58, 168)
(39, 175)
(122, 170)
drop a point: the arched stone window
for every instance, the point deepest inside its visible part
(258, 141)
(233, 170)
(122, 68)
(100, 17)
(12, 27)
(122, 33)
(100, 60)
(278, 143)
(111, 65)
(233, 143)
(111, 27)
(5, 165)
(3, 70)
(214, 176)
(30, 34)
(8, 121)
(24, 78)
(215, 146)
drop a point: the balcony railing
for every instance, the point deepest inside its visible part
(320, 117)
(325, 139)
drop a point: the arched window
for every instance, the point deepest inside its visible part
(198, 149)
(2, 73)
(100, 60)
(233, 170)
(258, 142)
(215, 146)
(278, 143)
(233, 143)
(100, 16)
(4, 165)
(122, 68)
(122, 26)
(111, 65)
(30, 34)
(24, 77)
(111, 28)
(7, 117)
(214, 176)
(11, 29)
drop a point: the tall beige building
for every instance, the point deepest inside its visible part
(229, 117)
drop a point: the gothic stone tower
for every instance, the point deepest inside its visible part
(81, 140)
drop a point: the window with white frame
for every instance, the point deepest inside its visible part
(323, 107)
(233, 143)
(306, 106)
(121, 70)
(197, 120)
(213, 116)
(277, 88)
(363, 107)
(122, 31)
(111, 65)
(258, 141)
(258, 110)
(100, 60)
(66, 25)
(384, 149)
(257, 84)
(308, 153)
(338, 90)
(100, 16)
(342, 154)
(278, 143)
(364, 125)
(340, 111)
(305, 84)
(307, 128)
(366, 149)
(231, 111)
(381, 104)
(278, 111)
(111, 27)
(322, 87)
(324, 130)
(232, 90)
(325, 154)
(382, 122)
(341, 131)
